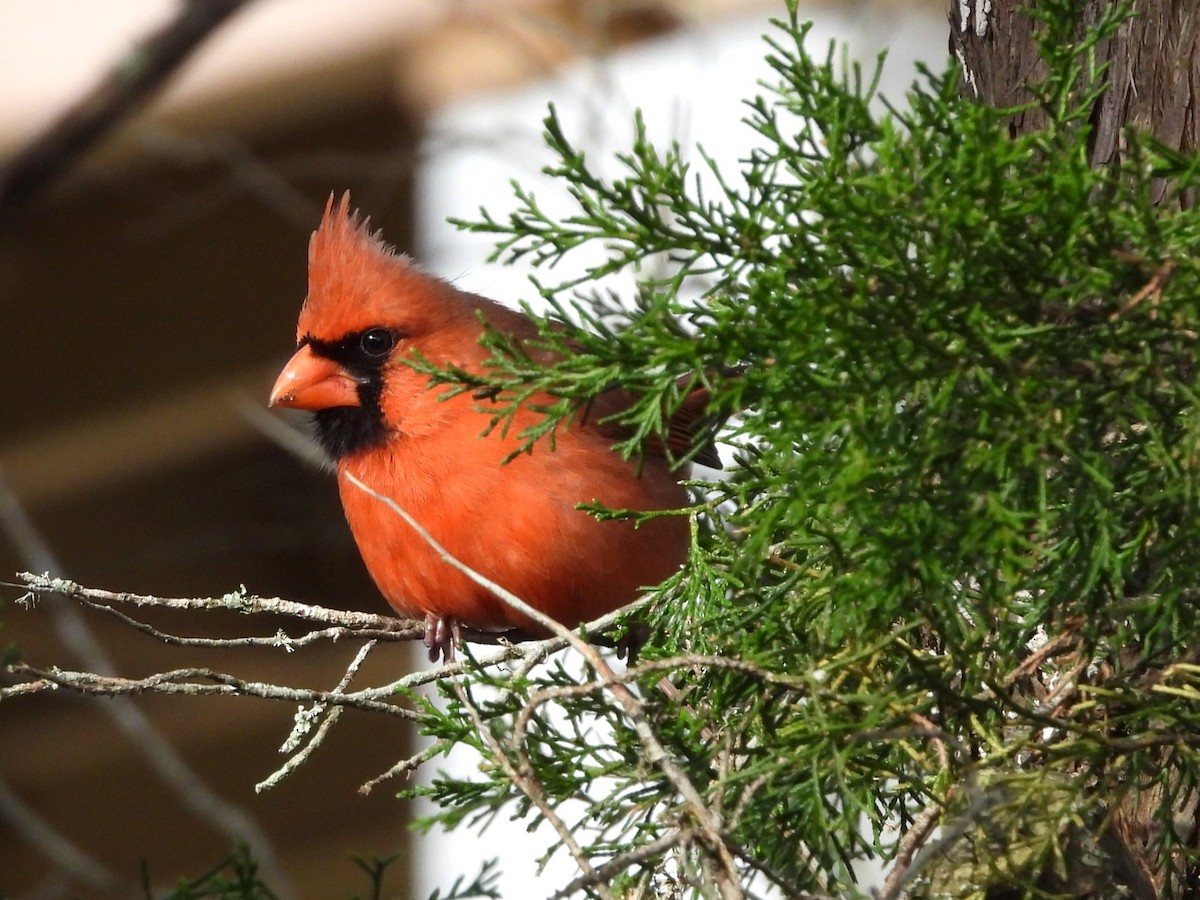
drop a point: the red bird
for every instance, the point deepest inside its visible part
(368, 309)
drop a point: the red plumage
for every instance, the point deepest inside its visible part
(516, 523)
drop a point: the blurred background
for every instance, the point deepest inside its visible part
(147, 301)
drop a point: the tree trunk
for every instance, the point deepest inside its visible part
(1151, 77)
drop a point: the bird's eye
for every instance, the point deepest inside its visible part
(377, 342)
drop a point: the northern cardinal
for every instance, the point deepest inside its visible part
(517, 523)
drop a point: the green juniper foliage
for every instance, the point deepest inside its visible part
(234, 878)
(953, 575)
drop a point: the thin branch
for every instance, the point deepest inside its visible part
(746, 796)
(235, 601)
(350, 623)
(913, 840)
(279, 639)
(529, 655)
(349, 626)
(125, 88)
(303, 724)
(1060, 643)
(980, 805)
(405, 766)
(194, 682)
(790, 892)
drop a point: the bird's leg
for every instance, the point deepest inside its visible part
(441, 634)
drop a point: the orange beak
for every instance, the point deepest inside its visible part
(313, 382)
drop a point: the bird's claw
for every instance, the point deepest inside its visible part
(629, 646)
(441, 636)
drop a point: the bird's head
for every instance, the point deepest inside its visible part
(367, 307)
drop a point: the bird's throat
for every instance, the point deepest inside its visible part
(348, 430)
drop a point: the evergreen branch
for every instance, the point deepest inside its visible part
(522, 778)
(606, 871)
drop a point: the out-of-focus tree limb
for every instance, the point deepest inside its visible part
(123, 89)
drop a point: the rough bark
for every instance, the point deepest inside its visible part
(1152, 74)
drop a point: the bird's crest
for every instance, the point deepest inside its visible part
(355, 279)
(344, 232)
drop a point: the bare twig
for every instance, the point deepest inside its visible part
(1153, 288)
(132, 81)
(235, 601)
(1060, 643)
(351, 626)
(559, 693)
(939, 742)
(527, 655)
(980, 805)
(279, 639)
(920, 830)
(142, 734)
(193, 682)
(304, 720)
(405, 766)
(790, 891)
(1062, 691)
(341, 623)
(746, 796)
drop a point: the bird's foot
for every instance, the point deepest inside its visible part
(629, 645)
(441, 635)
